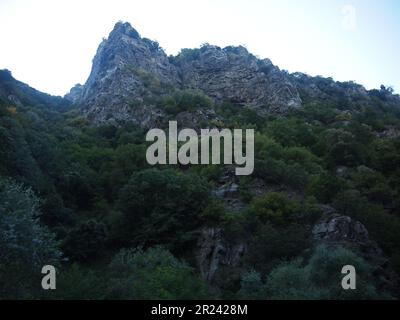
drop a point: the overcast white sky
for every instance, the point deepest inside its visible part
(50, 44)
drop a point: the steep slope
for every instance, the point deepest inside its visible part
(27, 118)
(235, 75)
(19, 94)
(128, 71)
(131, 77)
(131, 73)
(330, 166)
(349, 95)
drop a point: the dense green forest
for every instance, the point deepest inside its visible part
(84, 199)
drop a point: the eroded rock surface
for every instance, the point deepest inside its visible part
(214, 252)
(130, 73)
(335, 229)
(235, 75)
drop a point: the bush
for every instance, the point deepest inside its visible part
(186, 100)
(153, 274)
(161, 207)
(291, 281)
(25, 245)
(270, 245)
(321, 277)
(251, 287)
(78, 283)
(86, 242)
(274, 207)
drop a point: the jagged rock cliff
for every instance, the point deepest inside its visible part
(130, 72)
(127, 72)
(130, 76)
(236, 75)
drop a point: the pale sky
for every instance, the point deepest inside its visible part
(50, 44)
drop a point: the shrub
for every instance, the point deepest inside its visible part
(274, 207)
(25, 244)
(321, 277)
(186, 100)
(153, 274)
(161, 207)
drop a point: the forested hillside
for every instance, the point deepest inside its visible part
(77, 192)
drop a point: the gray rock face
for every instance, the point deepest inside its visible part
(235, 75)
(14, 99)
(389, 133)
(327, 89)
(214, 252)
(334, 229)
(75, 93)
(130, 73)
(337, 228)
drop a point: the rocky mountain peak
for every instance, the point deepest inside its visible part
(129, 72)
(124, 29)
(124, 69)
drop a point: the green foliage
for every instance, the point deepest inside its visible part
(274, 207)
(98, 195)
(373, 185)
(292, 132)
(186, 100)
(214, 213)
(153, 274)
(381, 225)
(251, 287)
(317, 111)
(291, 281)
(341, 148)
(236, 116)
(85, 242)
(325, 187)
(321, 277)
(186, 55)
(25, 245)
(292, 166)
(270, 245)
(161, 206)
(78, 283)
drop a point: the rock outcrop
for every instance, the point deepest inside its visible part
(214, 252)
(328, 89)
(338, 229)
(350, 97)
(130, 73)
(75, 93)
(127, 73)
(334, 229)
(235, 75)
(130, 76)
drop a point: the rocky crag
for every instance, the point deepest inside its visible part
(129, 73)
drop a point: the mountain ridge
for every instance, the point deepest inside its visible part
(128, 67)
(130, 73)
